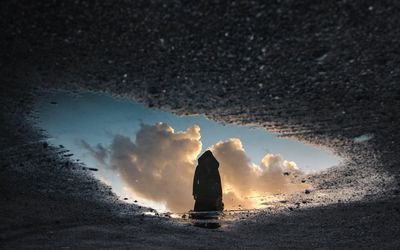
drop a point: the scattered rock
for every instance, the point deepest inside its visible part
(363, 138)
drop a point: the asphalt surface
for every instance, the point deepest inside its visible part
(320, 72)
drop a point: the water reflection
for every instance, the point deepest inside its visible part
(207, 219)
(208, 225)
(149, 156)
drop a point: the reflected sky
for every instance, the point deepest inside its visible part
(96, 118)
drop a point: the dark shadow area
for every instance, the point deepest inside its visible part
(207, 190)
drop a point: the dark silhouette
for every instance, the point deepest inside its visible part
(207, 190)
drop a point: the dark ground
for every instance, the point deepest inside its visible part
(323, 72)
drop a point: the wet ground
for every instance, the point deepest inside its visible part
(324, 73)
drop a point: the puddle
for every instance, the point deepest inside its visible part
(148, 157)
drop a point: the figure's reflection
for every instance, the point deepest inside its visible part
(208, 225)
(207, 192)
(206, 219)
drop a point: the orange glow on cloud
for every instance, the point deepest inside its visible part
(159, 166)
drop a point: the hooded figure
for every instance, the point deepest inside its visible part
(207, 190)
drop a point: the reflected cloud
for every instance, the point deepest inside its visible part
(159, 166)
(98, 152)
(242, 179)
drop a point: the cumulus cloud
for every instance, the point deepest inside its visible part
(243, 179)
(159, 165)
(99, 152)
